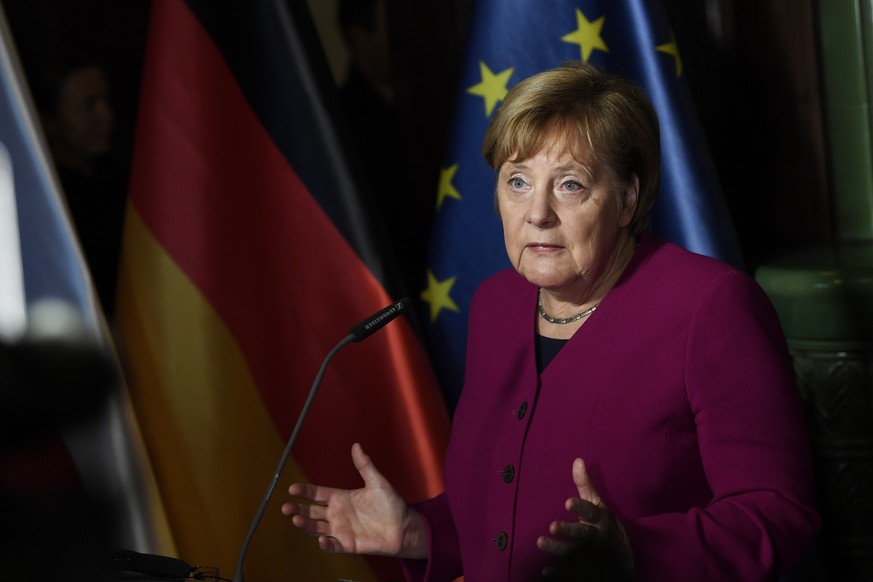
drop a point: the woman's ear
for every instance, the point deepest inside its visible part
(629, 201)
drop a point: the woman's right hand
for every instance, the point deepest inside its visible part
(373, 520)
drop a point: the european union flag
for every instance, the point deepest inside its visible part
(514, 39)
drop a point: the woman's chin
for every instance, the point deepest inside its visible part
(551, 280)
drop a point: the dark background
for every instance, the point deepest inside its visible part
(752, 66)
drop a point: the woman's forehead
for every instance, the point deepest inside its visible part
(555, 146)
(556, 139)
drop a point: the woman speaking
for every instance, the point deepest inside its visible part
(628, 410)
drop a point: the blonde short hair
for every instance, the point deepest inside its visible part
(601, 113)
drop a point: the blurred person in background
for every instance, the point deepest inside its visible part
(73, 97)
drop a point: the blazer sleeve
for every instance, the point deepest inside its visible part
(443, 561)
(754, 446)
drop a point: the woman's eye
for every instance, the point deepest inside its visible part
(571, 186)
(516, 183)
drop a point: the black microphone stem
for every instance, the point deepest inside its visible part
(238, 577)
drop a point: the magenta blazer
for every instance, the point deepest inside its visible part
(679, 394)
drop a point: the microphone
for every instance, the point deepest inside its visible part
(378, 320)
(359, 332)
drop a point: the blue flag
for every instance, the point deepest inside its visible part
(511, 40)
(52, 265)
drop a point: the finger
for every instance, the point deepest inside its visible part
(573, 530)
(311, 527)
(550, 572)
(312, 493)
(330, 545)
(297, 489)
(308, 511)
(371, 476)
(556, 547)
(583, 483)
(585, 510)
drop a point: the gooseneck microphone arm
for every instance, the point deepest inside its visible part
(242, 555)
(359, 332)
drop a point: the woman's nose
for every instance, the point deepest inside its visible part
(540, 211)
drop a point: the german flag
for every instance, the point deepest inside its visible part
(247, 256)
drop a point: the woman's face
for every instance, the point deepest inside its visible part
(85, 118)
(562, 218)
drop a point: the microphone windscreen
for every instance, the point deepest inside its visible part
(378, 320)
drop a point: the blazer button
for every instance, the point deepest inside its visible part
(522, 410)
(501, 541)
(508, 474)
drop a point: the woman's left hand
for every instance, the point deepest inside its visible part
(595, 529)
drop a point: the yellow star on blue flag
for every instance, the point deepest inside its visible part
(446, 189)
(437, 295)
(492, 88)
(672, 49)
(587, 35)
